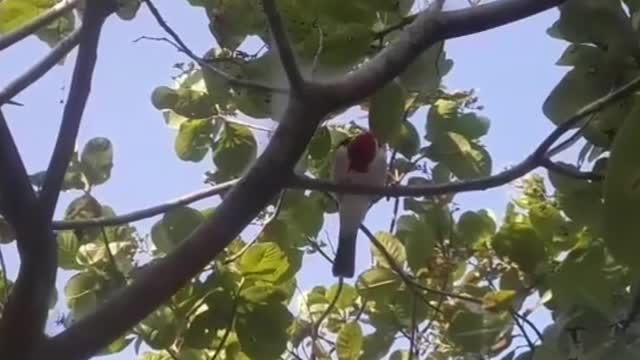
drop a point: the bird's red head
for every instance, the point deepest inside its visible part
(362, 150)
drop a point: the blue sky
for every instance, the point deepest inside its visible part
(512, 68)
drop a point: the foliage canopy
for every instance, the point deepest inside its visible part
(443, 283)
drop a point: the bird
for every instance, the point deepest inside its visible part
(360, 159)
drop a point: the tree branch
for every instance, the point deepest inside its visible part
(156, 284)
(430, 27)
(536, 159)
(25, 313)
(182, 47)
(281, 40)
(38, 23)
(94, 16)
(39, 69)
(569, 172)
(148, 212)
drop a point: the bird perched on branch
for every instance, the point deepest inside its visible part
(358, 160)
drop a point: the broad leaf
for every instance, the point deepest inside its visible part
(349, 342)
(97, 160)
(386, 111)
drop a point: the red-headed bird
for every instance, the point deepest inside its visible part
(359, 160)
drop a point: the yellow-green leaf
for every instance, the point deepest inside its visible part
(622, 193)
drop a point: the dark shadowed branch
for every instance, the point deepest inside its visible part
(148, 212)
(93, 19)
(39, 69)
(282, 44)
(38, 23)
(182, 47)
(25, 312)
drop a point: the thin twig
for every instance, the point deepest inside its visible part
(25, 311)
(412, 342)
(282, 44)
(203, 63)
(229, 328)
(40, 68)
(147, 212)
(316, 57)
(406, 278)
(38, 23)
(93, 19)
(530, 324)
(328, 310)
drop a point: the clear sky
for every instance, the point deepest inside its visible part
(512, 68)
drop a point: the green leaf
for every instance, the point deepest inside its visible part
(164, 97)
(349, 342)
(264, 342)
(202, 331)
(160, 329)
(377, 344)
(407, 140)
(520, 243)
(581, 280)
(7, 234)
(393, 247)
(16, 13)
(377, 284)
(97, 160)
(348, 295)
(194, 139)
(446, 116)
(174, 227)
(320, 144)
(190, 103)
(128, 9)
(80, 292)
(426, 72)
(386, 111)
(622, 193)
(499, 301)
(234, 150)
(472, 332)
(467, 160)
(68, 246)
(476, 226)
(264, 261)
(419, 238)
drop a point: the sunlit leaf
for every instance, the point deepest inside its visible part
(349, 342)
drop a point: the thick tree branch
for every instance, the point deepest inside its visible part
(38, 23)
(430, 27)
(281, 40)
(39, 69)
(160, 281)
(25, 312)
(94, 16)
(182, 47)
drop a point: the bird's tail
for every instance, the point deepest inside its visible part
(344, 262)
